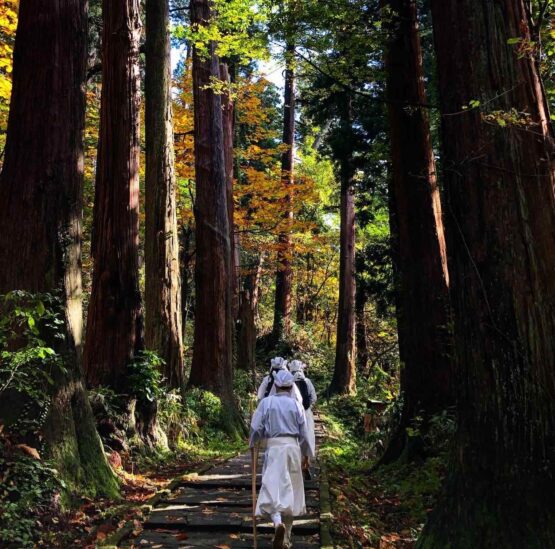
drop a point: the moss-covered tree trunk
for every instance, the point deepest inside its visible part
(417, 237)
(500, 222)
(41, 214)
(115, 319)
(163, 330)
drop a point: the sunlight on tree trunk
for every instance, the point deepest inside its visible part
(500, 225)
(344, 375)
(115, 320)
(163, 330)
(212, 349)
(228, 120)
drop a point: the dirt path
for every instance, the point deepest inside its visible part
(214, 510)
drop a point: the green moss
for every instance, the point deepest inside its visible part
(83, 469)
(99, 477)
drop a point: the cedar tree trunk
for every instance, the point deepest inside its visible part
(344, 375)
(417, 237)
(501, 240)
(361, 300)
(41, 214)
(212, 349)
(284, 274)
(163, 330)
(114, 324)
(228, 120)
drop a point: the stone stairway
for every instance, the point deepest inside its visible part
(214, 509)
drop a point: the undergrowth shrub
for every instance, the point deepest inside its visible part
(29, 487)
(145, 377)
(29, 491)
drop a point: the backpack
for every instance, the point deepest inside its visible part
(269, 386)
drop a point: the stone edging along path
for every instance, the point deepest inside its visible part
(213, 508)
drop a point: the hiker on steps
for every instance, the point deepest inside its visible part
(267, 387)
(308, 394)
(280, 421)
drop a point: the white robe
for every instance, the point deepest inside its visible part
(280, 420)
(282, 489)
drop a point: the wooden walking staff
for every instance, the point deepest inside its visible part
(254, 461)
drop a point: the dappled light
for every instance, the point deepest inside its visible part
(277, 274)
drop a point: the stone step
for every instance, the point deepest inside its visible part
(157, 539)
(214, 510)
(221, 520)
(224, 497)
(232, 481)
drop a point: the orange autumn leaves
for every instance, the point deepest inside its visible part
(261, 196)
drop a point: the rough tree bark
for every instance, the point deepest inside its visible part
(418, 240)
(246, 333)
(501, 239)
(186, 256)
(361, 300)
(228, 120)
(344, 375)
(248, 309)
(213, 341)
(115, 321)
(41, 213)
(284, 274)
(163, 320)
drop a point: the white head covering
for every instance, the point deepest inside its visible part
(295, 366)
(278, 363)
(284, 379)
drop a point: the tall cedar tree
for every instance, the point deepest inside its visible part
(228, 120)
(344, 375)
(115, 321)
(211, 368)
(417, 229)
(501, 240)
(284, 274)
(41, 211)
(163, 321)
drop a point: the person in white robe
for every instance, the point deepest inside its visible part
(280, 421)
(267, 387)
(308, 395)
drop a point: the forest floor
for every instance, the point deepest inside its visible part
(214, 509)
(91, 521)
(381, 508)
(377, 508)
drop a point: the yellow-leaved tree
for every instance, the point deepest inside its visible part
(8, 26)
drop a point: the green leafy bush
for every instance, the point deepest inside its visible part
(205, 408)
(29, 489)
(145, 378)
(28, 363)
(197, 418)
